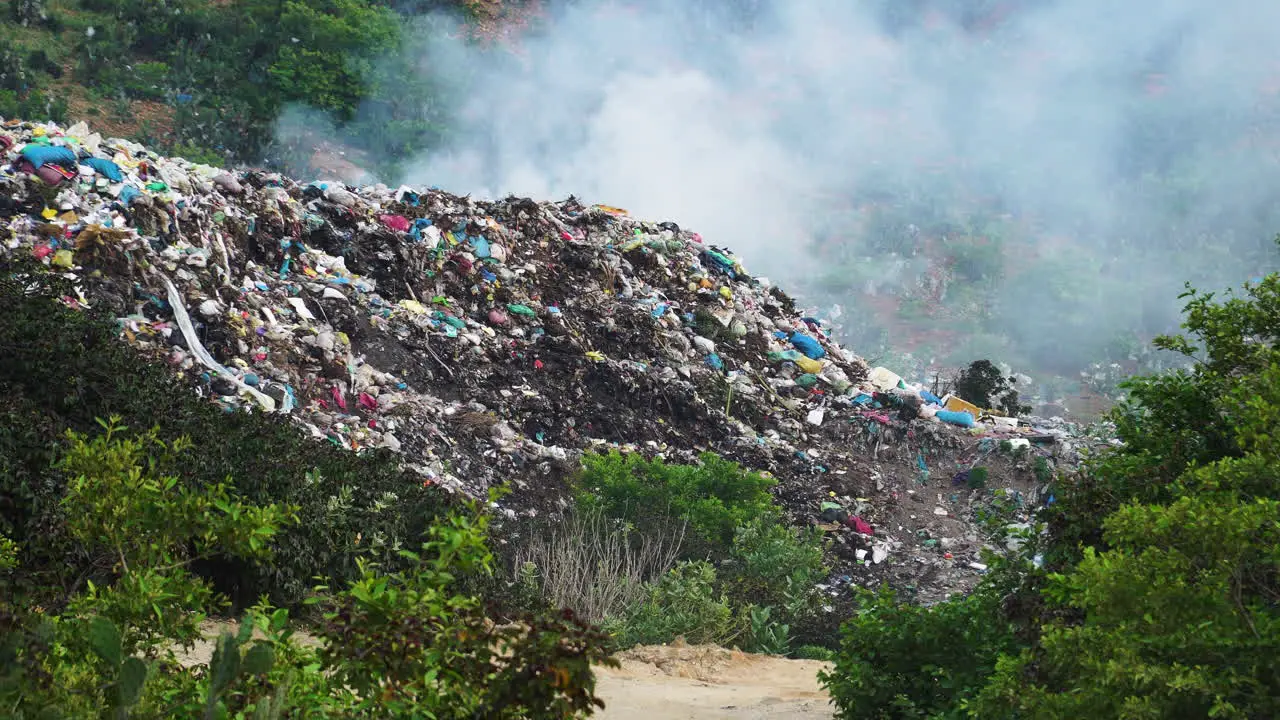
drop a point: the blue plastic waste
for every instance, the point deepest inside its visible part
(106, 168)
(808, 346)
(418, 226)
(481, 245)
(128, 193)
(715, 362)
(930, 397)
(43, 155)
(963, 419)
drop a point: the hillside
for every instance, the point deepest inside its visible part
(491, 343)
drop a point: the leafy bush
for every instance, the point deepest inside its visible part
(776, 566)
(1161, 602)
(977, 259)
(715, 497)
(399, 645)
(146, 80)
(63, 369)
(1169, 610)
(984, 385)
(765, 634)
(899, 660)
(683, 603)
(813, 652)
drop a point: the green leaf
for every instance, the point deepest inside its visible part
(133, 675)
(104, 638)
(223, 667)
(259, 659)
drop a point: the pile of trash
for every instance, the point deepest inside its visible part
(492, 342)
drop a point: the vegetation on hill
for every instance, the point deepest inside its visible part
(208, 80)
(1154, 593)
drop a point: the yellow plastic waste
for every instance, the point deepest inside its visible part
(413, 306)
(955, 404)
(63, 259)
(808, 365)
(48, 213)
(595, 355)
(726, 293)
(613, 210)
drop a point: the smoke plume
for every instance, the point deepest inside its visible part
(1074, 162)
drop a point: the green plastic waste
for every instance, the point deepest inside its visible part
(522, 310)
(156, 186)
(807, 380)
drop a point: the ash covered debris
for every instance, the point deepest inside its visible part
(492, 342)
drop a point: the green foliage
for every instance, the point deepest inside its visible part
(146, 529)
(683, 603)
(984, 385)
(8, 554)
(766, 635)
(716, 497)
(401, 645)
(976, 259)
(196, 154)
(63, 369)
(978, 478)
(813, 652)
(408, 643)
(898, 660)
(775, 566)
(1160, 601)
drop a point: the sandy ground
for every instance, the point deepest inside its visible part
(674, 683)
(679, 682)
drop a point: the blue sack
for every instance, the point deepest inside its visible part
(128, 193)
(963, 419)
(930, 397)
(808, 346)
(39, 155)
(106, 168)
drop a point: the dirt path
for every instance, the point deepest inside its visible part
(677, 682)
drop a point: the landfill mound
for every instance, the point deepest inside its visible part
(492, 342)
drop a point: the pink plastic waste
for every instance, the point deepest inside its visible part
(399, 223)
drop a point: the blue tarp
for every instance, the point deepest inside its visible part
(44, 155)
(106, 168)
(963, 419)
(808, 346)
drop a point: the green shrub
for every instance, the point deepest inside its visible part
(1168, 609)
(147, 80)
(977, 259)
(715, 497)
(399, 645)
(765, 634)
(683, 603)
(776, 566)
(196, 154)
(813, 652)
(899, 660)
(984, 385)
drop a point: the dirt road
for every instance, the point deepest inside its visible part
(675, 683)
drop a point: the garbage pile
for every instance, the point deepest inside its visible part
(489, 342)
